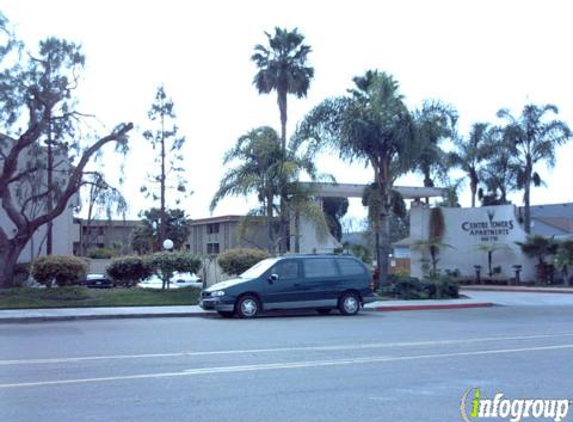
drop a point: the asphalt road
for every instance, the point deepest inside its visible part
(404, 366)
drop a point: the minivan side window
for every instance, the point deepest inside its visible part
(286, 270)
(319, 268)
(350, 267)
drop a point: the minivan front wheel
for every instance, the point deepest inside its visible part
(247, 307)
(349, 304)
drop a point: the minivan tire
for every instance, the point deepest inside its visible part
(247, 307)
(349, 304)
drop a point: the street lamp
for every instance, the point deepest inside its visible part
(168, 244)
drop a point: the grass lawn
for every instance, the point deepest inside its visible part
(82, 297)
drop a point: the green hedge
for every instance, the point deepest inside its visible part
(129, 270)
(164, 264)
(238, 260)
(411, 288)
(66, 270)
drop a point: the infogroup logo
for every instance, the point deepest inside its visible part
(474, 407)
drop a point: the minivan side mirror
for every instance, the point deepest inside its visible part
(273, 278)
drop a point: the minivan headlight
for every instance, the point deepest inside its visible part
(218, 293)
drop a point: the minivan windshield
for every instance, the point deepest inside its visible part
(259, 269)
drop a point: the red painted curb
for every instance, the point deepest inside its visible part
(432, 307)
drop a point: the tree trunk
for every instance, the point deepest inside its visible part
(384, 263)
(162, 222)
(282, 101)
(526, 210)
(9, 253)
(384, 247)
(297, 232)
(526, 194)
(283, 219)
(284, 222)
(270, 229)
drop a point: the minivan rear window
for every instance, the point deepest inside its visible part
(350, 267)
(319, 267)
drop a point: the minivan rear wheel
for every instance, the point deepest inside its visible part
(247, 307)
(349, 304)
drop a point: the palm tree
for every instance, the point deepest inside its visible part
(373, 125)
(435, 121)
(499, 172)
(283, 68)
(257, 155)
(539, 247)
(535, 140)
(469, 155)
(490, 248)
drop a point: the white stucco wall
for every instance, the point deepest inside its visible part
(466, 229)
(310, 240)
(65, 232)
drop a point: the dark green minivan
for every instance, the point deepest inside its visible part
(321, 282)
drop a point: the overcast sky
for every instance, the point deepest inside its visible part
(479, 56)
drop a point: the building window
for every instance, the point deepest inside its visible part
(213, 228)
(212, 248)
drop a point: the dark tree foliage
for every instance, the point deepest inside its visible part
(168, 175)
(334, 210)
(535, 137)
(46, 144)
(146, 238)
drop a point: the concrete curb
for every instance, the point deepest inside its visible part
(393, 308)
(59, 318)
(185, 314)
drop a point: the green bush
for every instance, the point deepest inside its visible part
(411, 288)
(66, 270)
(238, 260)
(407, 288)
(441, 287)
(129, 270)
(101, 253)
(164, 264)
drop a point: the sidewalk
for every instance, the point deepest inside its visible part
(70, 314)
(531, 289)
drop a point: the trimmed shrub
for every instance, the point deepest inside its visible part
(406, 287)
(66, 270)
(411, 288)
(101, 253)
(238, 260)
(164, 264)
(129, 270)
(441, 287)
